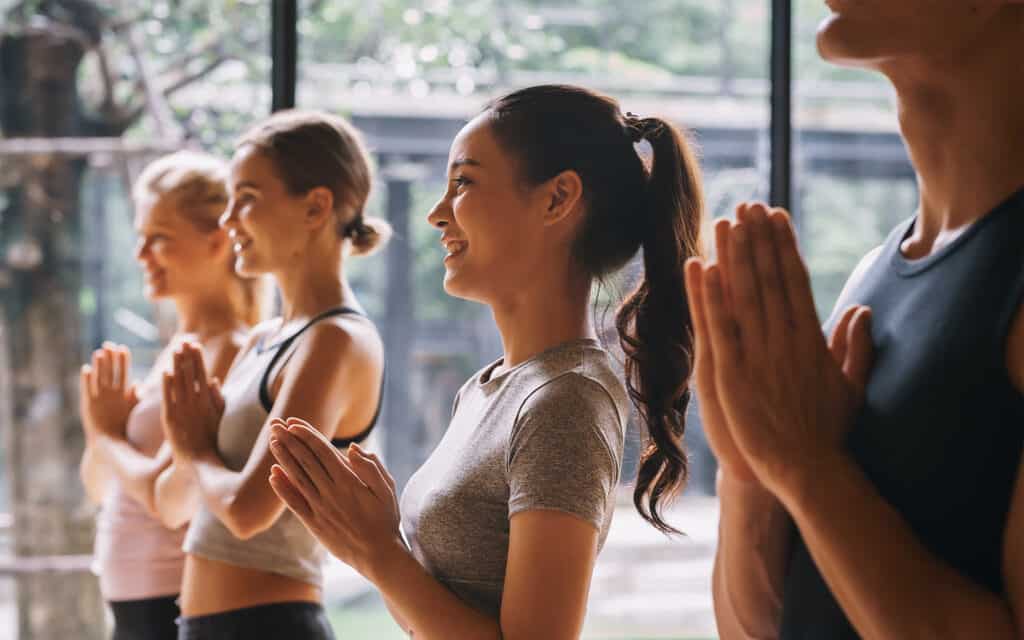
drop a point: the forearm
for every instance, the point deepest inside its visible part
(176, 496)
(93, 474)
(223, 492)
(750, 564)
(136, 472)
(424, 607)
(884, 579)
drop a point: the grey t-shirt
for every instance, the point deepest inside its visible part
(546, 434)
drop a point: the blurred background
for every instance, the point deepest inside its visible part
(91, 91)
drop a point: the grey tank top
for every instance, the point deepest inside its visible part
(286, 548)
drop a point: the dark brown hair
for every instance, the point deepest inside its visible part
(631, 205)
(312, 149)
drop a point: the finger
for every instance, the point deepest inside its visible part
(769, 275)
(796, 279)
(216, 395)
(319, 453)
(371, 471)
(860, 349)
(282, 450)
(120, 375)
(722, 228)
(721, 325)
(837, 343)
(98, 358)
(100, 364)
(182, 390)
(167, 407)
(84, 381)
(289, 495)
(693, 277)
(742, 285)
(188, 370)
(198, 368)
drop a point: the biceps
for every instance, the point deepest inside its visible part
(1013, 555)
(547, 580)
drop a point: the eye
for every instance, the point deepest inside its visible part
(461, 181)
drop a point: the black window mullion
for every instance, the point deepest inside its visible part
(781, 126)
(284, 53)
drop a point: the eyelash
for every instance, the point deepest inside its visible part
(460, 181)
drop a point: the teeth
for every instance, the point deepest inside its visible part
(454, 246)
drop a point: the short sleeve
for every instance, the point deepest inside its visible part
(565, 452)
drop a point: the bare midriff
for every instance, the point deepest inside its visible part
(209, 587)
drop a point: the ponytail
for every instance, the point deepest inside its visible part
(654, 323)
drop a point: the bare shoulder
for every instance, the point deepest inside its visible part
(342, 342)
(1015, 350)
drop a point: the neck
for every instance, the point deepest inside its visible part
(963, 127)
(313, 284)
(554, 312)
(208, 314)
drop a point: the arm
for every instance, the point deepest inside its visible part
(748, 578)
(348, 503)
(94, 474)
(885, 580)
(176, 495)
(136, 471)
(550, 561)
(243, 500)
(791, 426)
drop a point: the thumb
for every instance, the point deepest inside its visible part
(860, 351)
(215, 395)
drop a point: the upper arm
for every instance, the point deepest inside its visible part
(856, 277)
(311, 389)
(1013, 553)
(551, 558)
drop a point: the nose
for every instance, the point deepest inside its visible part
(441, 215)
(228, 218)
(141, 250)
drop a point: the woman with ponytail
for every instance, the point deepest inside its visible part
(547, 194)
(298, 184)
(186, 259)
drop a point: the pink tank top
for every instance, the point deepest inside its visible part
(135, 556)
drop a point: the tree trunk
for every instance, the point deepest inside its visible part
(41, 230)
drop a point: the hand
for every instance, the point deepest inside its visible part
(347, 502)
(106, 397)
(192, 406)
(786, 400)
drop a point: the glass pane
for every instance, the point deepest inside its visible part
(409, 74)
(92, 91)
(853, 178)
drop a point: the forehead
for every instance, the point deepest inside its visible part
(476, 141)
(156, 211)
(251, 164)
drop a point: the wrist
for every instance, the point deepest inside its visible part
(804, 484)
(384, 561)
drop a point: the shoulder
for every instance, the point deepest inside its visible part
(572, 405)
(341, 343)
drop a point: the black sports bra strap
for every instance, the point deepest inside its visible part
(283, 346)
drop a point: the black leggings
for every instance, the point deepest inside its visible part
(286, 620)
(150, 619)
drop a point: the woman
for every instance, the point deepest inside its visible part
(298, 184)
(547, 193)
(186, 259)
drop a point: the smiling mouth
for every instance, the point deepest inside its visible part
(241, 245)
(454, 248)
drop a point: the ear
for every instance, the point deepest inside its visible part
(564, 197)
(319, 204)
(218, 242)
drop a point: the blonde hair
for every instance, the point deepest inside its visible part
(312, 149)
(194, 184)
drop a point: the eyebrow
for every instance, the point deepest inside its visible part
(247, 185)
(463, 162)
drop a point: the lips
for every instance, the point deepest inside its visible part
(454, 247)
(240, 244)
